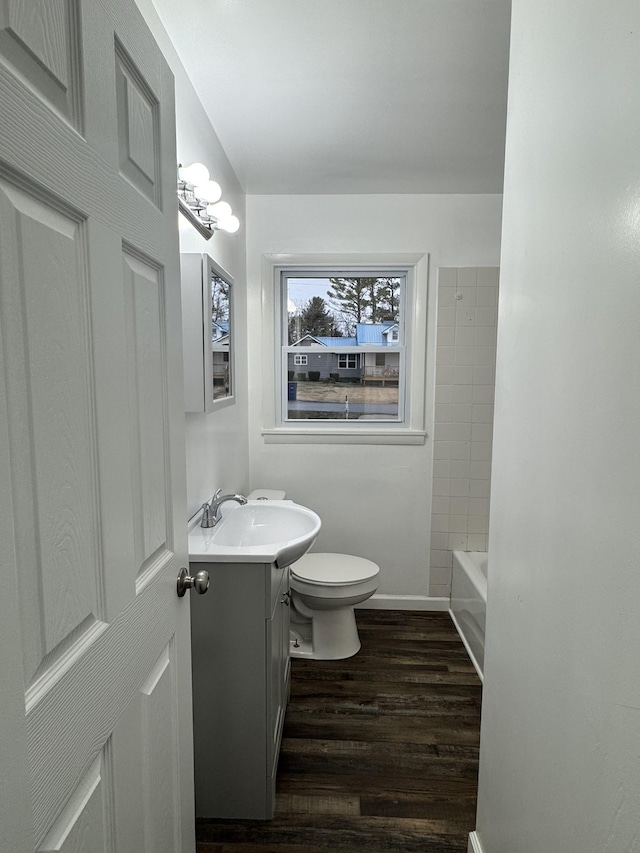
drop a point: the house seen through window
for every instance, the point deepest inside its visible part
(349, 326)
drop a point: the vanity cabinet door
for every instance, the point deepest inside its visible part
(278, 657)
(240, 641)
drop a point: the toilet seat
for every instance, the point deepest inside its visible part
(333, 569)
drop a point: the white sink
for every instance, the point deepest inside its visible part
(277, 532)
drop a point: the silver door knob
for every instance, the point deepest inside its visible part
(199, 582)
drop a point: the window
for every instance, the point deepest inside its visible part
(352, 325)
(347, 362)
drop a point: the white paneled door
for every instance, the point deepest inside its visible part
(95, 707)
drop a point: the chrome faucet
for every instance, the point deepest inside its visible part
(211, 514)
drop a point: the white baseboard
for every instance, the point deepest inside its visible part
(404, 602)
(474, 843)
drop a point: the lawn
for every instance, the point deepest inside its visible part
(329, 392)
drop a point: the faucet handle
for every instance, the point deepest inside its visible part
(207, 518)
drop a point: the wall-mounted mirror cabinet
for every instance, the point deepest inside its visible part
(207, 327)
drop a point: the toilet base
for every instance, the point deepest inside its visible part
(329, 635)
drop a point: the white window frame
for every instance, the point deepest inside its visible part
(299, 360)
(410, 428)
(348, 356)
(312, 272)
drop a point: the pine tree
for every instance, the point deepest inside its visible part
(351, 298)
(388, 303)
(362, 300)
(315, 319)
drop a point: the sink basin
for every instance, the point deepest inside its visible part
(277, 532)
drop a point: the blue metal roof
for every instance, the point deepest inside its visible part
(373, 333)
(338, 342)
(367, 334)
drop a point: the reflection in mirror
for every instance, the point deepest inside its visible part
(221, 337)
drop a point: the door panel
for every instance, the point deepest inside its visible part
(40, 40)
(96, 724)
(157, 739)
(137, 127)
(48, 354)
(144, 302)
(144, 750)
(83, 824)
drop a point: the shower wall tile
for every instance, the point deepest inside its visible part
(465, 378)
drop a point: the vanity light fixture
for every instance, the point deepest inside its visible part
(199, 201)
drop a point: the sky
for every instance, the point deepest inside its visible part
(301, 290)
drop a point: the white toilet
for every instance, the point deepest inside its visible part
(324, 588)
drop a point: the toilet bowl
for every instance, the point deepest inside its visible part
(324, 589)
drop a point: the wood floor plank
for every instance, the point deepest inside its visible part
(447, 693)
(379, 752)
(358, 726)
(318, 803)
(370, 785)
(398, 675)
(409, 835)
(392, 705)
(398, 804)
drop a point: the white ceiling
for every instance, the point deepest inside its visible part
(351, 96)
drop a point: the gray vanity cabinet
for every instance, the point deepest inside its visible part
(240, 661)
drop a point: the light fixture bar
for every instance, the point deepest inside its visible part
(199, 202)
(200, 227)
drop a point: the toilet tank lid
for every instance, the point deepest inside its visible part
(269, 494)
(334, 568)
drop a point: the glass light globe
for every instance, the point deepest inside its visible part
(195, 174)
(229, 224)
(221, 210)
(209, 191)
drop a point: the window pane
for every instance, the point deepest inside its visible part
(339, 386)
(361, 310)
(341, 323)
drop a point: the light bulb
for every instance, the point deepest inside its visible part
(209, 192)
(229, 224)
(221, 210)
(195, 174)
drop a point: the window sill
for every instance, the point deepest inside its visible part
(286, 435)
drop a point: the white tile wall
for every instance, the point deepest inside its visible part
(465, 376)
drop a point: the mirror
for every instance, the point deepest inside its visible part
(207, 332)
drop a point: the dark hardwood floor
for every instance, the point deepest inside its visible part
(379, 752)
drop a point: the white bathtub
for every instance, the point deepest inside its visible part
(469, 602)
